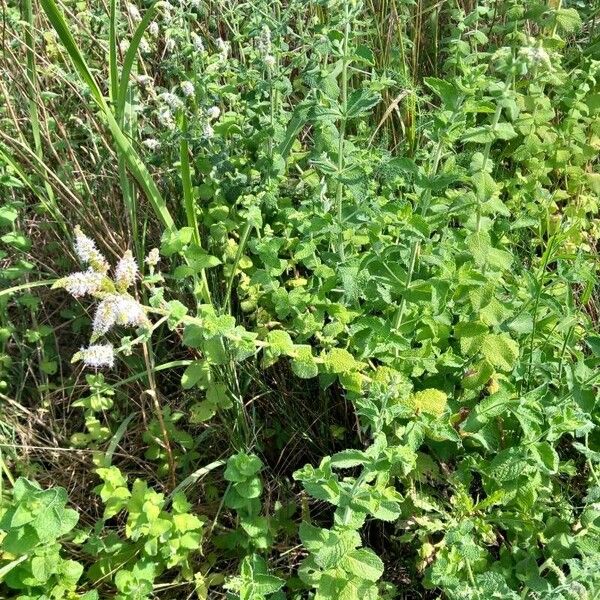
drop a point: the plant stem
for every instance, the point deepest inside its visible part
(157, 408)
(426, 199)
(342, 132)
(188, 199)
(488, 146)
(236, 261)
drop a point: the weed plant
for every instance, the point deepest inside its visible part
(299, 300)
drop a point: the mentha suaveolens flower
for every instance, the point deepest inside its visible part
(83, 283)
(126, 271)
(151, 144)
(88, 253)
(153, 257)
(187, 88)
(98, 356)
(213, 112)
(118, 309)
(197, 42)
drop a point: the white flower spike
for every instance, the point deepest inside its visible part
(84, 283)
(197, 42)
(118, 309)
(153, 257)
(126, 271)
(97, 356)
(151, 144)
(187, 88)
(213, 112)
(88, 253)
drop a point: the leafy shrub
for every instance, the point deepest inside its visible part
(356, 255)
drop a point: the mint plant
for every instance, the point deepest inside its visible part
(311, 287)
(34, 524)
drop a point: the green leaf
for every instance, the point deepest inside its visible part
(363, 564)
(8, 214)
(312, 537)
(546, 456)
(267, 584)
(176, 312)
(360, 101)
(174, 240)
(349, 458)
(445, 90)
(500, 350)
(20, 541)
(485, 134)
(280, 343)
(196, 374)
(303, 362)
(508, 465)
(218, 395)
(567, 19)
(193, 335)
(202, 411)
(17, 240)
(335, 549)
(430, 401)
(338, 360)
(250, 488)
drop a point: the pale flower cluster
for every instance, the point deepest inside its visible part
(134, 13)
(265, 47)
(152, 144)
(118, 309)
(171, 100)
(97, 356)
(223, 47)
(213, 112)
(187, 88)
(116, 306)
(88, 253)
(84, 283)
(153, 257)
(126, 271)
(197, 42)
(535, 56)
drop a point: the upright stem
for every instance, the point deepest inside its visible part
(488, 146)
(188, 198)
(426, 199)
(342, 131)
(238, 256)
(153, 392)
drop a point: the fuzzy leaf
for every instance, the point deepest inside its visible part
(500, 350)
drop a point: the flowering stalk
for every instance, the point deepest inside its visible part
(116, 306)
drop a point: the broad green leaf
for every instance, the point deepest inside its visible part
(349, 458)
(430, 401)
(445, 90)
(500, 350)
(338, 360)
(363, 564)
(196, 374)
(360, 102)
(303, 362)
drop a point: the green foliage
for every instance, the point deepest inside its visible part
(363, 239)
(32, 525)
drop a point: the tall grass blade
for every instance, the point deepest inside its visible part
(132, 159)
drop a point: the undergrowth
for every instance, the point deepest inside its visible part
(299, 300)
